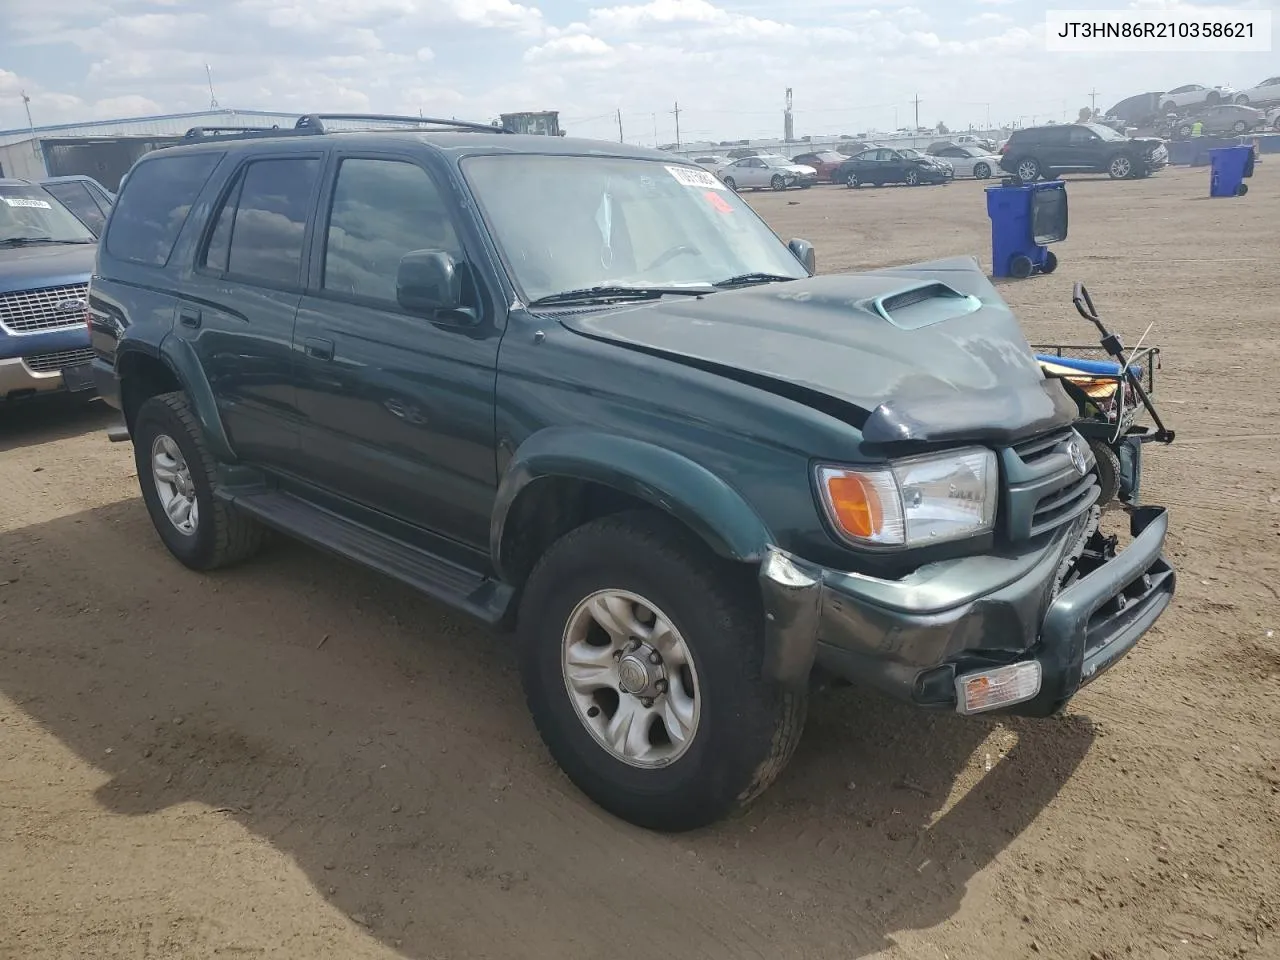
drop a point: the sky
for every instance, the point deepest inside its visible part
(853, 65)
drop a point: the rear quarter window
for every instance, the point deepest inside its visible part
(153, 206)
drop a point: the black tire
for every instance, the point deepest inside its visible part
(731, 184)
(747, 729)
(1240, 127)
(1050, 262)
(851, 180)
(981, 171)
(1242, 190)
(1020, 267)
(1242, 99)
(1184, 130)
(1108, 471)
(1121, 167)
(1027, 170)
(777, 182)
(1212, 98)
(1169, 107)
(222, 536)
(912, 179)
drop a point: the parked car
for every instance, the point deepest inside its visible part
(388, 357)
(1141, 110)
(1194, 95)
(1050, 151)
(46, 256)
(767, 171)
(84, 196)
(825, 162)
(1223, 118)
(1268, 91)
(971, 140)
(969, 161)
(884, 165)
(1272, 120)
(714, 162)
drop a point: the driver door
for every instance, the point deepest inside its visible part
(398, 408)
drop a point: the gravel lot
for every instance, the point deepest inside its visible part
(298, 759)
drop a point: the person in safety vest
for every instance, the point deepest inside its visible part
(1197, 128)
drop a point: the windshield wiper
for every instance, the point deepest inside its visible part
(749, 279)
(606, 293)
(22, 241)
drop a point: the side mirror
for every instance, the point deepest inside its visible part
(427, 282)
(805, 253)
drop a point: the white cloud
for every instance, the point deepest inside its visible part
(992, 18)
(572, 46)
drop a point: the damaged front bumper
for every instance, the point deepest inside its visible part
(972, 627)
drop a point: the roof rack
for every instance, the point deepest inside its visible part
(316, 121)
(312, 124)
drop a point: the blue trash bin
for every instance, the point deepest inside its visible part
(1025, 218)
(1228, 166)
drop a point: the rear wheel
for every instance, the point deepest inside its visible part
(1020, 267)
(1212, 97)
(1028, 170)
(1050, 263)
(981, 171)
(1240, 127)
(176, 473)
(640, 655)
(729, 182)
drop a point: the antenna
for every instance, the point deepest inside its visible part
(213, 100)
(26, 102)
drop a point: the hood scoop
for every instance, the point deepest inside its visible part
(921, 305)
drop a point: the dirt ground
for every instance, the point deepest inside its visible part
(299, 759)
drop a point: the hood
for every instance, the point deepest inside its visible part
(927, 353)
(45, 265)
(1147, 141)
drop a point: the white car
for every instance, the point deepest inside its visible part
(1265, 92)
(713, 162)
(970, 161)
(1194, 95)
(768, 170)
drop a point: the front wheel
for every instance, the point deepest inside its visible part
(1240, 127)
(1108, 471)
(777, 182)
(1120, 167)
(912, 179)
(640, 655)
(981, 171)
(851, 180)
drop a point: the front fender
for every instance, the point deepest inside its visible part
(688, 491)
(182, 359)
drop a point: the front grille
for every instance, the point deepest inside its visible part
(52, 362)
(1043, 488)
(31, 311)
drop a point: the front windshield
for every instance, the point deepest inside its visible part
(1106, 133)
(776, 161)
(910, 152)
(568, 223)
(32, 213)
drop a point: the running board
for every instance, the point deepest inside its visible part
(474, 593)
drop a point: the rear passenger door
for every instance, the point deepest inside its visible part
(397, 406)
(239, 306)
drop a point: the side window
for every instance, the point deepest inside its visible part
(1079, 136)
(382, 209)
(154, 203)
(260, 227)
(75, 197)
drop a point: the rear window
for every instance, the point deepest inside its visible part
(154, 204)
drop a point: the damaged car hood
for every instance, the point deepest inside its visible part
(926, 352)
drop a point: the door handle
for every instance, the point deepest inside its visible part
(318, 349)
(189, 317)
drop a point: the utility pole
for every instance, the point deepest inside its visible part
(213, 100)
(655, 130)
(1093, 101)
(620, 125)
(676, 112)
(35, 143)
(917, 103)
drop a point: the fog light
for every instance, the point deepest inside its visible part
(992, 689)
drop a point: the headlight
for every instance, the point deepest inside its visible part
(911, 502)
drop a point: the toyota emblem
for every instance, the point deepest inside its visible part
(1077, 458)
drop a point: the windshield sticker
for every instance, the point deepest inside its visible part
(23, 202)
(717, 201)
(689, 177)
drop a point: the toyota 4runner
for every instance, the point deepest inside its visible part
(582, 389)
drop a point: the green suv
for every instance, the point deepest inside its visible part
(581, 390)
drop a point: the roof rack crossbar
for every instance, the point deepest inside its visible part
(315, 121)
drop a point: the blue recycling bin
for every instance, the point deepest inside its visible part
(1025, 218)
(1228, 167)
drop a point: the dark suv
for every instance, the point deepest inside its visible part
(581, 388)
(1034, 152)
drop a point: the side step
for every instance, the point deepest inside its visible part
(480, 596)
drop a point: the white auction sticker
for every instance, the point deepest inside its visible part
(692, 177)
(23, 202)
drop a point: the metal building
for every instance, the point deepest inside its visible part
(106, 149)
